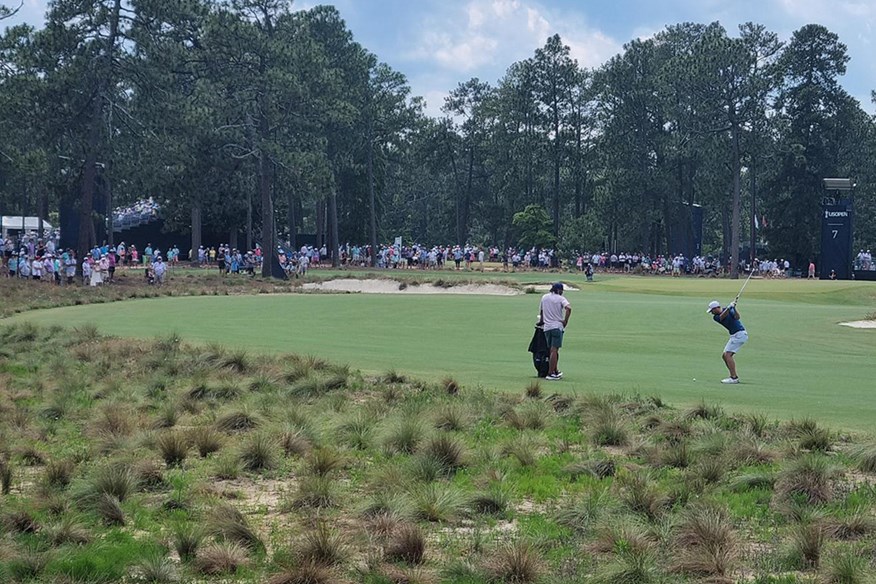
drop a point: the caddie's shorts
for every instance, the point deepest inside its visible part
(554, 337)
(736, 341)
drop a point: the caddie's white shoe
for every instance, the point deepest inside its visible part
(730, 380)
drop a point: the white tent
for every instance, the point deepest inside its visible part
(15, 222)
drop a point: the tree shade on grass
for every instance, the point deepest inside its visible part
(645, 335)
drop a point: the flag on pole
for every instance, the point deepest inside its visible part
(756, 223)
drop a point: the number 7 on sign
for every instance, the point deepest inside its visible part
(834, 231)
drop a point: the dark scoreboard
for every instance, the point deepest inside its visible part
(836, 240)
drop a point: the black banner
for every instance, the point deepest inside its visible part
(836, 241)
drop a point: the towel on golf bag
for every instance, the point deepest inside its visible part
(540, 354)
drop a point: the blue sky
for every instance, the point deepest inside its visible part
(440, 43)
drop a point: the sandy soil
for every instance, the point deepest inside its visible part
(547, 287)
(394, 287)
(864, 324)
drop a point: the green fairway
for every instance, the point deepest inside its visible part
(631, 335)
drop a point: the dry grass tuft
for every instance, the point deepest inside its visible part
(706, 541)
(518, 562)
(224, 557)
(407, 544)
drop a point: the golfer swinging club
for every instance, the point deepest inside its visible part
(729, 319)
(554, 313)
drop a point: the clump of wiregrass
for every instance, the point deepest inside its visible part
(259, 452)
(324, 461)
(610, 430)
(532, 415)
(533, 390)
(69, 529)
(58, 473)
(227, 467)
(451, 417)
(599, 468)
(407, 544)
(393, 376)
(753, 480)
(115, 479)
(617, 536)
(305, 573)
(630, 566)
(436, 502)
(187, 539)
(222, 557)
(206, 440)
(109, 508)
(237, 421)
(323, 545)
(855, 523)
(581, 514)
(225, 522)
(806, 544)
(157, 568)
(404, 436)
(809, 435)
(707, 541)
(523, 448)
(640, 492)
(173, 447)
(314, 491)
(6, 475)
(446, 450)
(704, 411)
(450, 386)
(295, 442)
(30, 455)
(808, 478)
(19, 521)
(864, 457)
(518, 561)
(494, 500)
(357, 430)
(847, 567)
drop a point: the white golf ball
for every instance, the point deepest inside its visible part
(694, 378)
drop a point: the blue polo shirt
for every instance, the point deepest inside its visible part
(731, 322)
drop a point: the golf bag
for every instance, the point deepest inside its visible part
(540, 354)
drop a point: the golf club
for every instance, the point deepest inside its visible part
(750, 274)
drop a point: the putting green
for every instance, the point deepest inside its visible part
(629, 335)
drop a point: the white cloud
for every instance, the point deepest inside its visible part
(489, 35)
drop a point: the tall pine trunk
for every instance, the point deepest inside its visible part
(196, 232)
(372, 199)
(737, 203)
(334, 242)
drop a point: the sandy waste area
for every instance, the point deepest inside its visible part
(865, 324)
(394, 287)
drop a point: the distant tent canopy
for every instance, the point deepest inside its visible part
(18, 223)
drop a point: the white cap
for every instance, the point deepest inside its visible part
(713, 304)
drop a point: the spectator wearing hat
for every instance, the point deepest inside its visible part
(159, 269)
